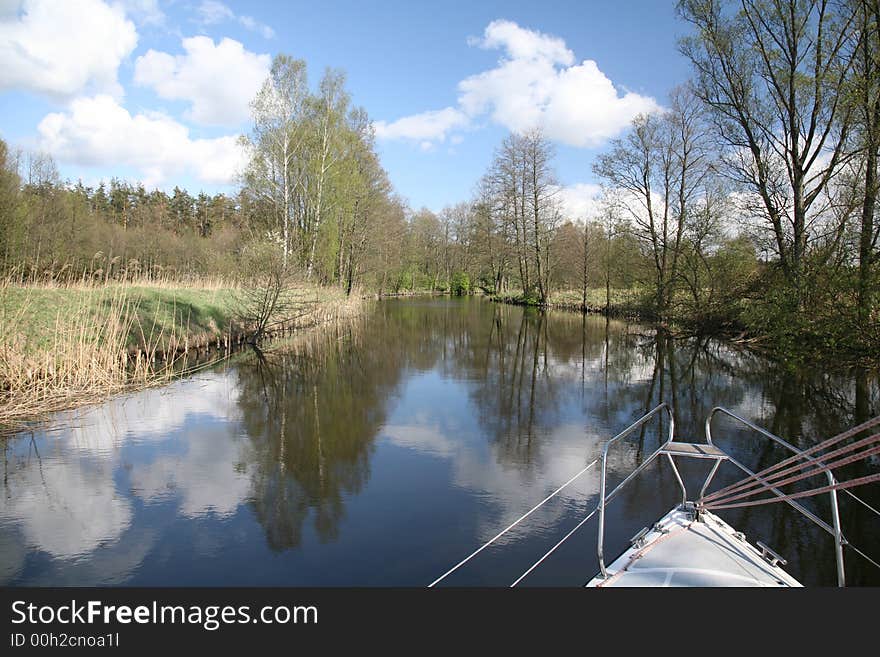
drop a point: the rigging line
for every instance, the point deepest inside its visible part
(553, 549)
(811, 473)
(859, 499)
(823, 445)
(772, 481)
(509, 527)
(858, 551)
(795, 496)
(766, 481)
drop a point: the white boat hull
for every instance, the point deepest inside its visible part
(682, 551)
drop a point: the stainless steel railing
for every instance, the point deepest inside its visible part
(603, 499)
(713, 452)
(835, 531)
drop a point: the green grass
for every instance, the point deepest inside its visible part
(622, 299)
(153, 314)
(153, 311)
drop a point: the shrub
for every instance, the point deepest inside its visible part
(461, 283)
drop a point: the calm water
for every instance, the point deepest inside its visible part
(382, 451)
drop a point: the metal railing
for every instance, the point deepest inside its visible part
(835, 531)
(603, 499)
(712, 451)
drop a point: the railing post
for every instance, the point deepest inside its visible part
(838, 536)
(601, 549)
(602, 499)
(835, 530)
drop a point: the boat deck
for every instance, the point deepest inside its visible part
(679, 551)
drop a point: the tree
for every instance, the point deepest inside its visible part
(866, 108)
(770, 72)
(537, 153)
(521, 189)
(9, 203)
(656, 173)
(326, 115)
(276, 139)
(182, 208)
(506, 179)
(367, 193)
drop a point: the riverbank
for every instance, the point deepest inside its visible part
(65, 346)
(815, 342)
(624, 304)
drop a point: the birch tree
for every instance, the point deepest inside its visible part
(328, 112)
(277, 140)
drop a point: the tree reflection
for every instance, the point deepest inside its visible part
(312, 410)
(532, 363)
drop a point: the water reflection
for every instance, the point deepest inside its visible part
(311, 413)
(68, 507)
(380, 450)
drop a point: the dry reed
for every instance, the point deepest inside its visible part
(98, 343)
(86, 361)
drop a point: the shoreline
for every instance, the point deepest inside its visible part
(738, 337)
(614, 311)
(101, 343)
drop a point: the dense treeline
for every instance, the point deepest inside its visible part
(749, 204)
(313, 186)
(54, 230)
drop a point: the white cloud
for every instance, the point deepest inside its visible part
(98, 131)
(427, 126)
(255, 26)
(144, 12)
(62, 48)
(537, 83)
(524, 44)
(218, 80)
(580, 201)
(212, 12)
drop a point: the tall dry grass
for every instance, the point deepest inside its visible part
(67, 342)
(97, 276)
(87, 357)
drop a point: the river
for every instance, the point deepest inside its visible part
(382, 450)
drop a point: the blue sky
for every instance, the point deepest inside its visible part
(154, 90)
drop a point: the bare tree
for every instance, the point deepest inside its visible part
(771, 72)
(268, 295)
(544, 214)
(654, 174)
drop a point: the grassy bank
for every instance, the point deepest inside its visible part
(624, 302)
(62, 346)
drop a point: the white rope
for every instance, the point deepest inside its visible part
(859, 499)
(509, 527)
(850, 545)
(553, 549)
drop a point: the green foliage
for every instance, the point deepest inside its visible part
(460, 284)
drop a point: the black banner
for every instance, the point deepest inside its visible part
(125, 621)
